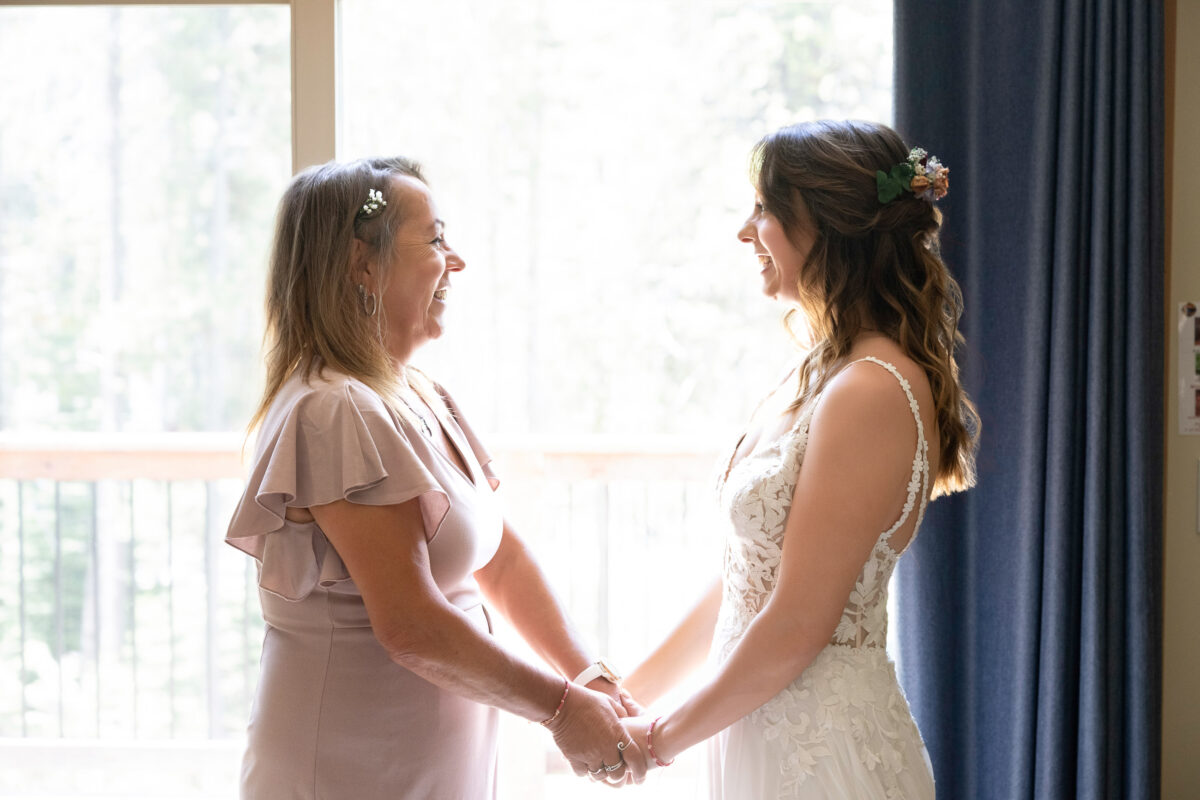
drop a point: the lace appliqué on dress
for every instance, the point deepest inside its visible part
(850, 689)
(846, 692)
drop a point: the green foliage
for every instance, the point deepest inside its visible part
(892, 185)
(143, 181)
(137, 189)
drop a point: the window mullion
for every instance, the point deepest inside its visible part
(314, 82)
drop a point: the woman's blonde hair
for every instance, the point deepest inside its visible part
(870, 261)
(315, 317)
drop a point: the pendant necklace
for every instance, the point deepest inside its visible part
(424, 423)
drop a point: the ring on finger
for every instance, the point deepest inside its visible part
(598, 770)
(614, 767)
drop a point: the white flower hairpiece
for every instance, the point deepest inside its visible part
(374, 202)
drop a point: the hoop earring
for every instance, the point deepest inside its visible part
(370, 303)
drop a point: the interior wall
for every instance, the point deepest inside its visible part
(1181, 620)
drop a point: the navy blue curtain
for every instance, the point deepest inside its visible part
(1030, 606)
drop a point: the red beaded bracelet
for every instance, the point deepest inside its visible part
(561, 703)
(650, 745)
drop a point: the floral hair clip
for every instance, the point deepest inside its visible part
(921, 174)
(374, 202)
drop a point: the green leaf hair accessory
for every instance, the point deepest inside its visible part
(374, 202)
(921, 174)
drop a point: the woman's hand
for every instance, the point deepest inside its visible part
(635, 729)
(632, 707)
(613, 692)
(588, 731)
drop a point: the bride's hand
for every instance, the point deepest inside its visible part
(615, 693)
(632, 707)
(635, 729)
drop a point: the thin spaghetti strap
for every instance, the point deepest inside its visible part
(919, 482)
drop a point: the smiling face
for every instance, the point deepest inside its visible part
(780, 259)
(416, 278)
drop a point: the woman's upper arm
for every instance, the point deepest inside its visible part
(850, 489)
(386, 553)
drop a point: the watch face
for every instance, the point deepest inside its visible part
(608, 672)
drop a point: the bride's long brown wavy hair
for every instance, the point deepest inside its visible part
(870, 261)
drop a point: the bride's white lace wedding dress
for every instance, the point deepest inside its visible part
(842, 729)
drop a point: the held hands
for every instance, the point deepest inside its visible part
(632, 707)
(641, 729)
(588, 731)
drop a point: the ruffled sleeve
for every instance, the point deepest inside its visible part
(329, 441)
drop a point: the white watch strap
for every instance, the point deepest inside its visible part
(590, 674)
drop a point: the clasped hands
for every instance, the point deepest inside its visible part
(602, 734)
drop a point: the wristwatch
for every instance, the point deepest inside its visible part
(600, 669)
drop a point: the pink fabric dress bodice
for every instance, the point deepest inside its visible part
(333, 715)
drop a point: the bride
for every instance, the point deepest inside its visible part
(827, 487)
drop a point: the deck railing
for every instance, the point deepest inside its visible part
(123, 615)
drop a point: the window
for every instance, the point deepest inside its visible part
(608, 335)
(140, 181)
(591, 163)
(141, 157)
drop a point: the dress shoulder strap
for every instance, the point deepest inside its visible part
(918, 484)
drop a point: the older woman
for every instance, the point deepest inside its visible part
(827, 487)
(371, 513)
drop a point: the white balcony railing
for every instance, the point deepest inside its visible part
(127, 627)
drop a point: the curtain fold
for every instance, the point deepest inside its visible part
(1030, 607)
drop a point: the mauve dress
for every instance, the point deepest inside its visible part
(333, 716)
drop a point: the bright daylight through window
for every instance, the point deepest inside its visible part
(142, 153)
(607, 337)
(591, 164)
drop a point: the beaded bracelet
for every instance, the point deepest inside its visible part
(650, 745)
(561, 703)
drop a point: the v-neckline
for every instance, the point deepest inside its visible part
(760, 447)
(806, 412)
(452, 440)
